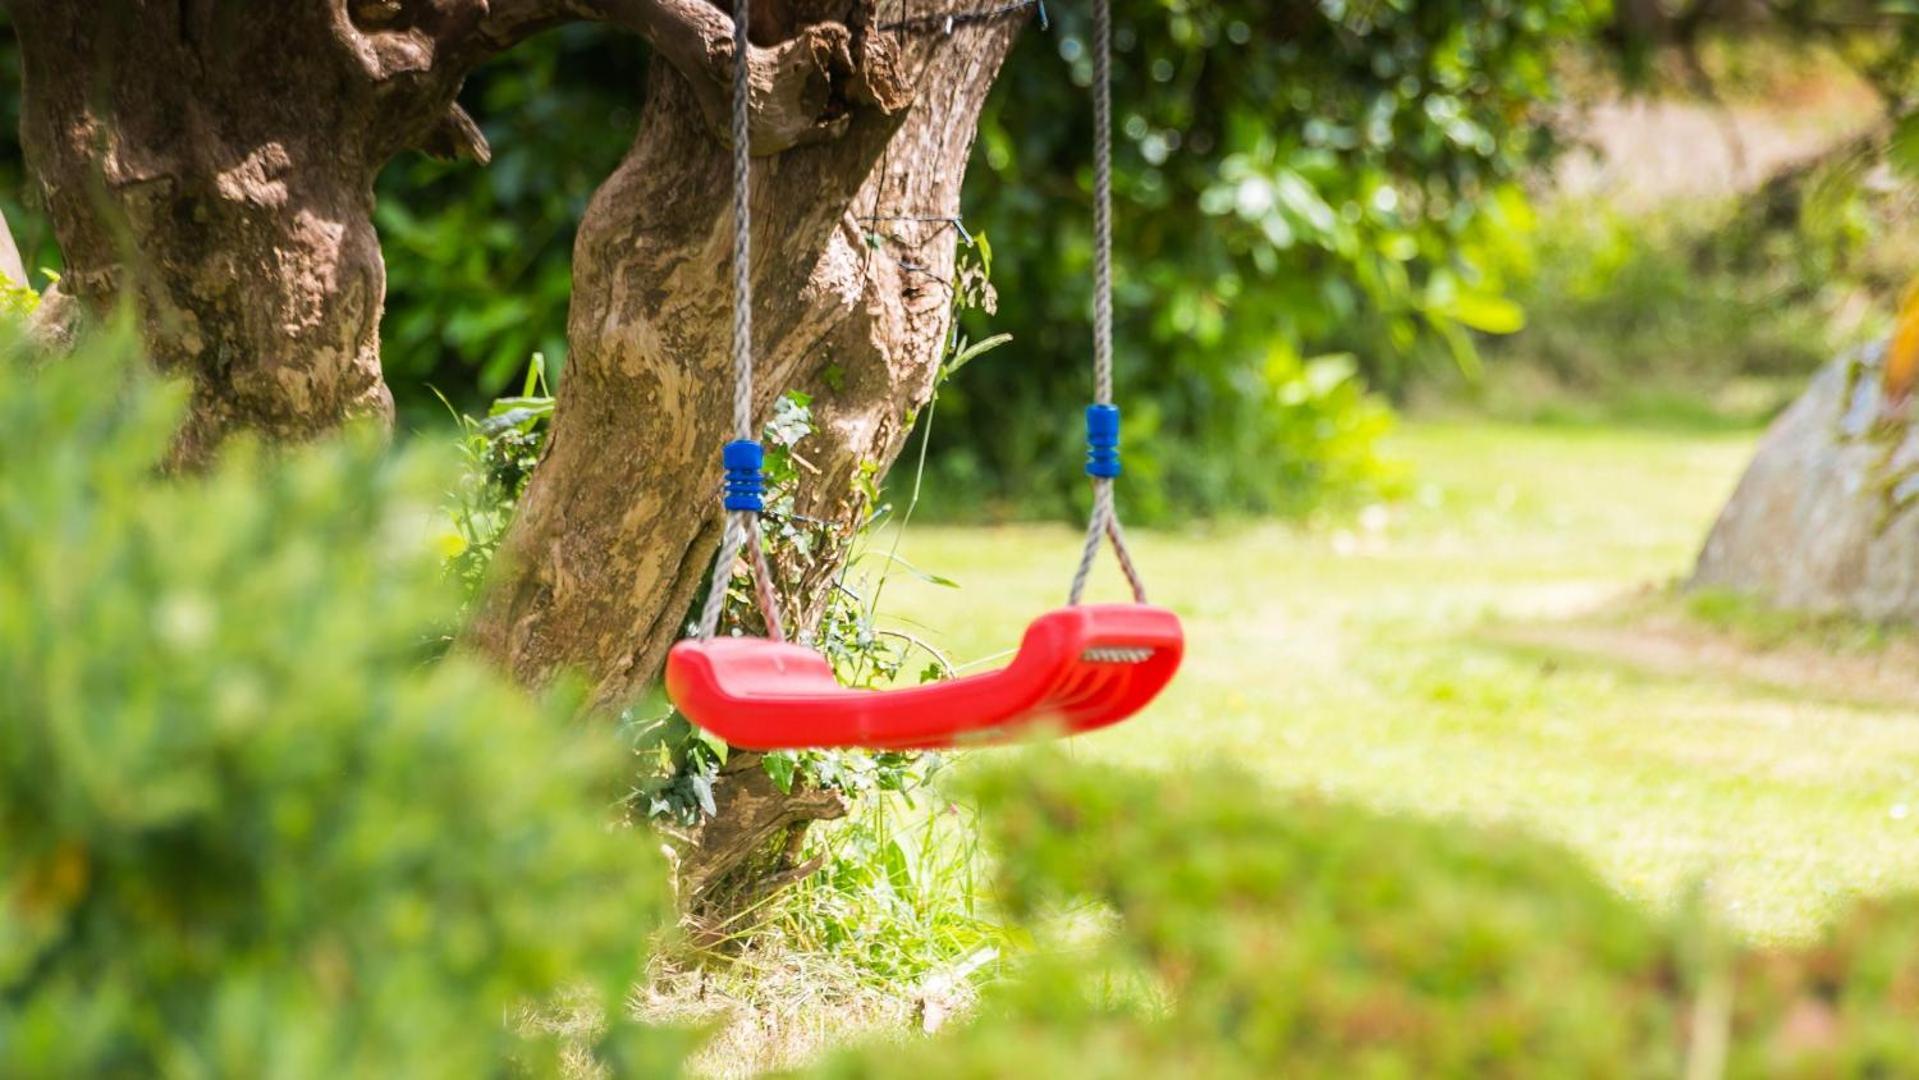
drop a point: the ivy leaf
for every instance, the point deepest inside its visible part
(702, 786)
(781, 767)
(792, 419)
(713, 743)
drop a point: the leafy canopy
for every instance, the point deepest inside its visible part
(1311, 198)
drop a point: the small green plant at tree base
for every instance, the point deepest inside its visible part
(901, 896)
(889, 898)
(886, 899)
(248, 826)
(1763, 625)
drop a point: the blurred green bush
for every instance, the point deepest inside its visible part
(1196, 925)
(1704, 312)
(1233, 934)
(1669, 317)
(479, 260)
(1295, 181)
(249, 825)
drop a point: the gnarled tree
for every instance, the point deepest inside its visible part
(613, 539)
(213, 166)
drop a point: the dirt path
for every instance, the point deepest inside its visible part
(1674, 647)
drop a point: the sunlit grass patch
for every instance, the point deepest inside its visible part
(1372, 658)
(1752, 620)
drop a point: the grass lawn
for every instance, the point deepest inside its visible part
(1493, 648)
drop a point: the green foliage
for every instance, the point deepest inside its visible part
(1249, 938)
(1843, 223)
(899, 898)
(1227, 933)
(1876, 38)
(1757, 624)
(1674, 316)
(1296, 181)
(1841, 1007)
(479, 258)
(17, 299)
(499, 452)
(246, 827)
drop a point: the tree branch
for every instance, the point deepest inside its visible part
(803, 89)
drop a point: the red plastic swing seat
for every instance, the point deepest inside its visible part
(1078, 669)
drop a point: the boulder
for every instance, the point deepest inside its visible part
(1826, 519)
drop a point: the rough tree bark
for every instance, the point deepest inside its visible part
(620, 522)
(213, 166)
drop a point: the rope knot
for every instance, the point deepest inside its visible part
(745, 483)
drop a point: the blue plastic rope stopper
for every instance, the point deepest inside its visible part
(1102, 441)
(745, 485)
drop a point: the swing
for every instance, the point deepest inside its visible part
(1079, 668)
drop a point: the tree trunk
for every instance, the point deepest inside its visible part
(620, 522)
(1826, 519)
(212, 165)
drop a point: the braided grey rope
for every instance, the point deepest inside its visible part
(742, 526)
(1105, 520)
(742, 227)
